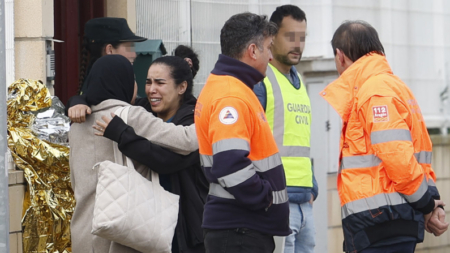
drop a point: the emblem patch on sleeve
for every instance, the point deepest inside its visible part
(228, 115)
(380, 113)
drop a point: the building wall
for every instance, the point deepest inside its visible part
(16, 189)
(9, 41)
(431, 244)
(122, 9)
(33, 25)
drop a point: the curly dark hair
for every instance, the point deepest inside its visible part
(187, 52)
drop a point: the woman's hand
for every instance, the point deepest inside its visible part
(77, 113)
(101, 126)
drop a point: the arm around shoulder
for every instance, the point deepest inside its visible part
(159, 159)
(179, 139)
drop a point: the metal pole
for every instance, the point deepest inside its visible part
(4, 204)
(184, 23)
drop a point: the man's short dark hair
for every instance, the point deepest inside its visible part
(286, 11)
(242, 30)
(356, 39)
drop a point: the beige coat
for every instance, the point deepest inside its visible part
(88, 149)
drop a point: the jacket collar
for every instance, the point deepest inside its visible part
(227, 66)
(293, 73)
(185, 114)
(341, 93)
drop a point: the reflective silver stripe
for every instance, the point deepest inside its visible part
(278, 121)
(294, 151)
(279, 197)
(362, 161)
(230, 144)
(262, 165)
(268, 163)
(219, 191)
(371, 203)
(237, 177)
(423, 188)
(206, 160)
(390, 135)
(424, 157)
(431, 182)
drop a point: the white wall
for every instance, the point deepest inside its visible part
(416, 43)
(9, 41)
(413, 33)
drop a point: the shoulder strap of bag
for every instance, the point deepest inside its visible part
(122, 112)
(118, 156)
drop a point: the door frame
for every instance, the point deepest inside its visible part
(69, 19)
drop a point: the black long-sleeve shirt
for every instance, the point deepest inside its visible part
(138, 148)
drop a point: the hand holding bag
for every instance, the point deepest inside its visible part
(131, 210)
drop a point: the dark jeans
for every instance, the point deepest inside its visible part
(240, 240)
(406, 247)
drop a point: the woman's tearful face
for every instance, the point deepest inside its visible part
(162, 92)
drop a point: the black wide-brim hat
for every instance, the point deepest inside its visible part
(109, 30)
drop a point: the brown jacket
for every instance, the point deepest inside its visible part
(88, 149)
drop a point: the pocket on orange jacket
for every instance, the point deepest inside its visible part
(365, 186)
(355, 139)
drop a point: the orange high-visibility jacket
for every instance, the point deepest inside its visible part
(385, 179)
(239, 156)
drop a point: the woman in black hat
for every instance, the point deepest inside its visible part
(104, 36)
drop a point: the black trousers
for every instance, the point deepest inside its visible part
(240, 240)
(405, 247)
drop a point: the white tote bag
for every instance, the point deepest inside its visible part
(131, 210)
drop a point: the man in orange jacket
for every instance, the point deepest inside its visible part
(386, 184)
(247, 203)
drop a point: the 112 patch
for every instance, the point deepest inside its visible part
(380, 113)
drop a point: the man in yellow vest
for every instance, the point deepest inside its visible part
(288, 110)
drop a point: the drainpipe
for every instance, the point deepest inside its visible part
(4, 203)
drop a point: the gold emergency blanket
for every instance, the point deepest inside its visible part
(49, 200)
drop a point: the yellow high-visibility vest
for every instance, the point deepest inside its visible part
(288, 113)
